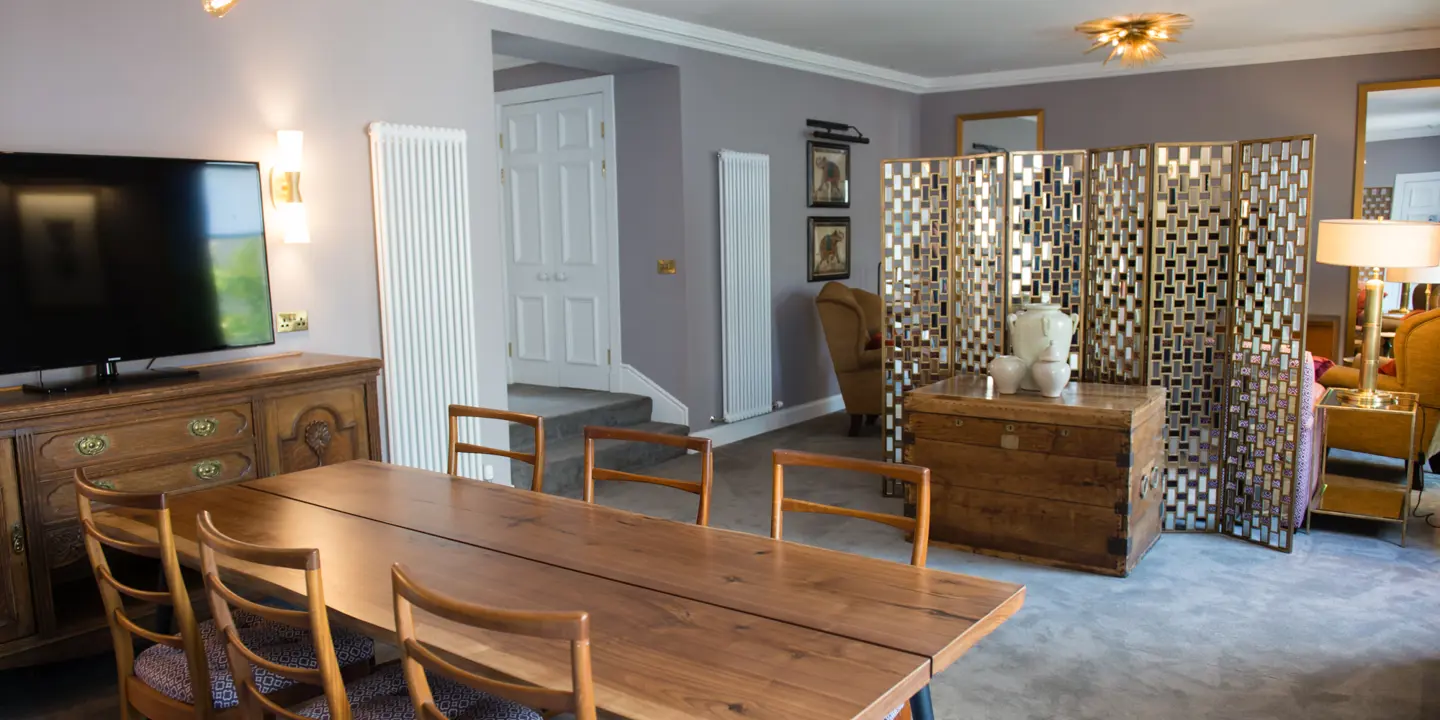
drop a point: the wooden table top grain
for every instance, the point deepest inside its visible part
(656, 655)
(934, 614)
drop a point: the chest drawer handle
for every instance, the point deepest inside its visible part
(1064, 432)
(1010, 428)
(92, 445)
(204, 427)
(959, 422)
(208, 469)
(103, 484)
(17, 539)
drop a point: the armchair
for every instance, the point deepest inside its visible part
(1417, 370)
(850, 317)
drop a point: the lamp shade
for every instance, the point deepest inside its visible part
(1378, 243)
(1414, 275)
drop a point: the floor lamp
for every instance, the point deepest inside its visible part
(1376, 244)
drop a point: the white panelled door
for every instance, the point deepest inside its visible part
(1417, 197)
(556, 208)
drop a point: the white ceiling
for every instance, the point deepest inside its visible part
(1399, 114)
(942, 38)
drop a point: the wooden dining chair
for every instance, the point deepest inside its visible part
(322, 664)
(502, 696)
(703, 446)
(919, 707)
(184, 675)
(535, 459)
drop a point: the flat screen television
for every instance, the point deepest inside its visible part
(104, 259)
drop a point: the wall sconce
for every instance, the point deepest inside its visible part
(285, 187)
(218, 8)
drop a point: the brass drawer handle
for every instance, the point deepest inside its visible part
(1064, 432)
(92, 445)
(17, 539)
(959, 422)
(1010, 428)
(208, 469)
(103, 484)
(204, 427)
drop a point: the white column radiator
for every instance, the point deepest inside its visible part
(427, 311)
(745, 307)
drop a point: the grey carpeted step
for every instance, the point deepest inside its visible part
(567, 412)
(565, 458)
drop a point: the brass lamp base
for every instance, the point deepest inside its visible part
(1366, 398)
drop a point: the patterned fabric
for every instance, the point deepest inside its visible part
(382, 695)
(895, 713)
(164, 668)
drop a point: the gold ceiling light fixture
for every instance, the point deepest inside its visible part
(218, 8)
(1133, 38)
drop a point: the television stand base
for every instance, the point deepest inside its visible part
(106, 376)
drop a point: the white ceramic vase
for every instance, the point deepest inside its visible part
(1051, 371)
(1008, 372)
(1036, 327)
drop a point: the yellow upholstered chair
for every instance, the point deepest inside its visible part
(851, 318)
(1417, 370)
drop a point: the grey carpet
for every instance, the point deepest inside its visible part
(1347, 626)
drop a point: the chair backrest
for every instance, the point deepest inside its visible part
(416, 658)
(123, 628)
(702, 446)
(1417, 356)
(910, 474)
(534, 459)
(314, 619)
(843, 322)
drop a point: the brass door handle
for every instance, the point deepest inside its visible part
(17, 539)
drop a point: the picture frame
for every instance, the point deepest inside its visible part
(828, 249)
(828, 173)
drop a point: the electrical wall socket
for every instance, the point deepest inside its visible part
(288, 322)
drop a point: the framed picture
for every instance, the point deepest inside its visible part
(829, 249)
(829, 175)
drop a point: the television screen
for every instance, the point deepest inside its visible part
(124, 258)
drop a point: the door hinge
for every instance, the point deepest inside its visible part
(502, 176)
(608, 359)
(510, 349)
(602, 168)
(17, 539)
(502, 141)
(602, 129)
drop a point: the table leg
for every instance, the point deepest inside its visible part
(920, 707)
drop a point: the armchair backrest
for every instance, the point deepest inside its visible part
(1417, 356)
(844, 322)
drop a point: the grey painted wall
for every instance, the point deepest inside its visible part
(738, 105)
(1388, 158)
(1252, 101)
(649, 150)
(538, 74)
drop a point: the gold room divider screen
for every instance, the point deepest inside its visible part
(1187, 264)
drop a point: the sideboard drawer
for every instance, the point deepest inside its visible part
(1079, 442)
(224, 465)
(80, 447)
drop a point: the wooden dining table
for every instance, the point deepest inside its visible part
(686, 621)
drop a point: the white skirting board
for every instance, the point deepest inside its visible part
(664, 406)
(785, 417)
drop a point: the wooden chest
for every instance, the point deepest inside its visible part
(1073, 481)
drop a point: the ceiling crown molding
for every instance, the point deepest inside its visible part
(603, 16)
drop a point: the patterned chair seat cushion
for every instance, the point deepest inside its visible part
(164, 668)
(382, 695)
(895, 713)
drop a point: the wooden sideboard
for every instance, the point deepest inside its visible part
(234, 421)
(1073, 481)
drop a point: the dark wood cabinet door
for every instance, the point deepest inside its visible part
(316, 427)
(17, 617)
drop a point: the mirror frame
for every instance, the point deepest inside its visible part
(1039, 125)
(1358, 197)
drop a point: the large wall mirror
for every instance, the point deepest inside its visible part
(1397, 177)
(1011, 131)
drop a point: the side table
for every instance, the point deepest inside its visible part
(1367, 490)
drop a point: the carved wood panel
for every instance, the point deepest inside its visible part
(317, 427)
(17, 617)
